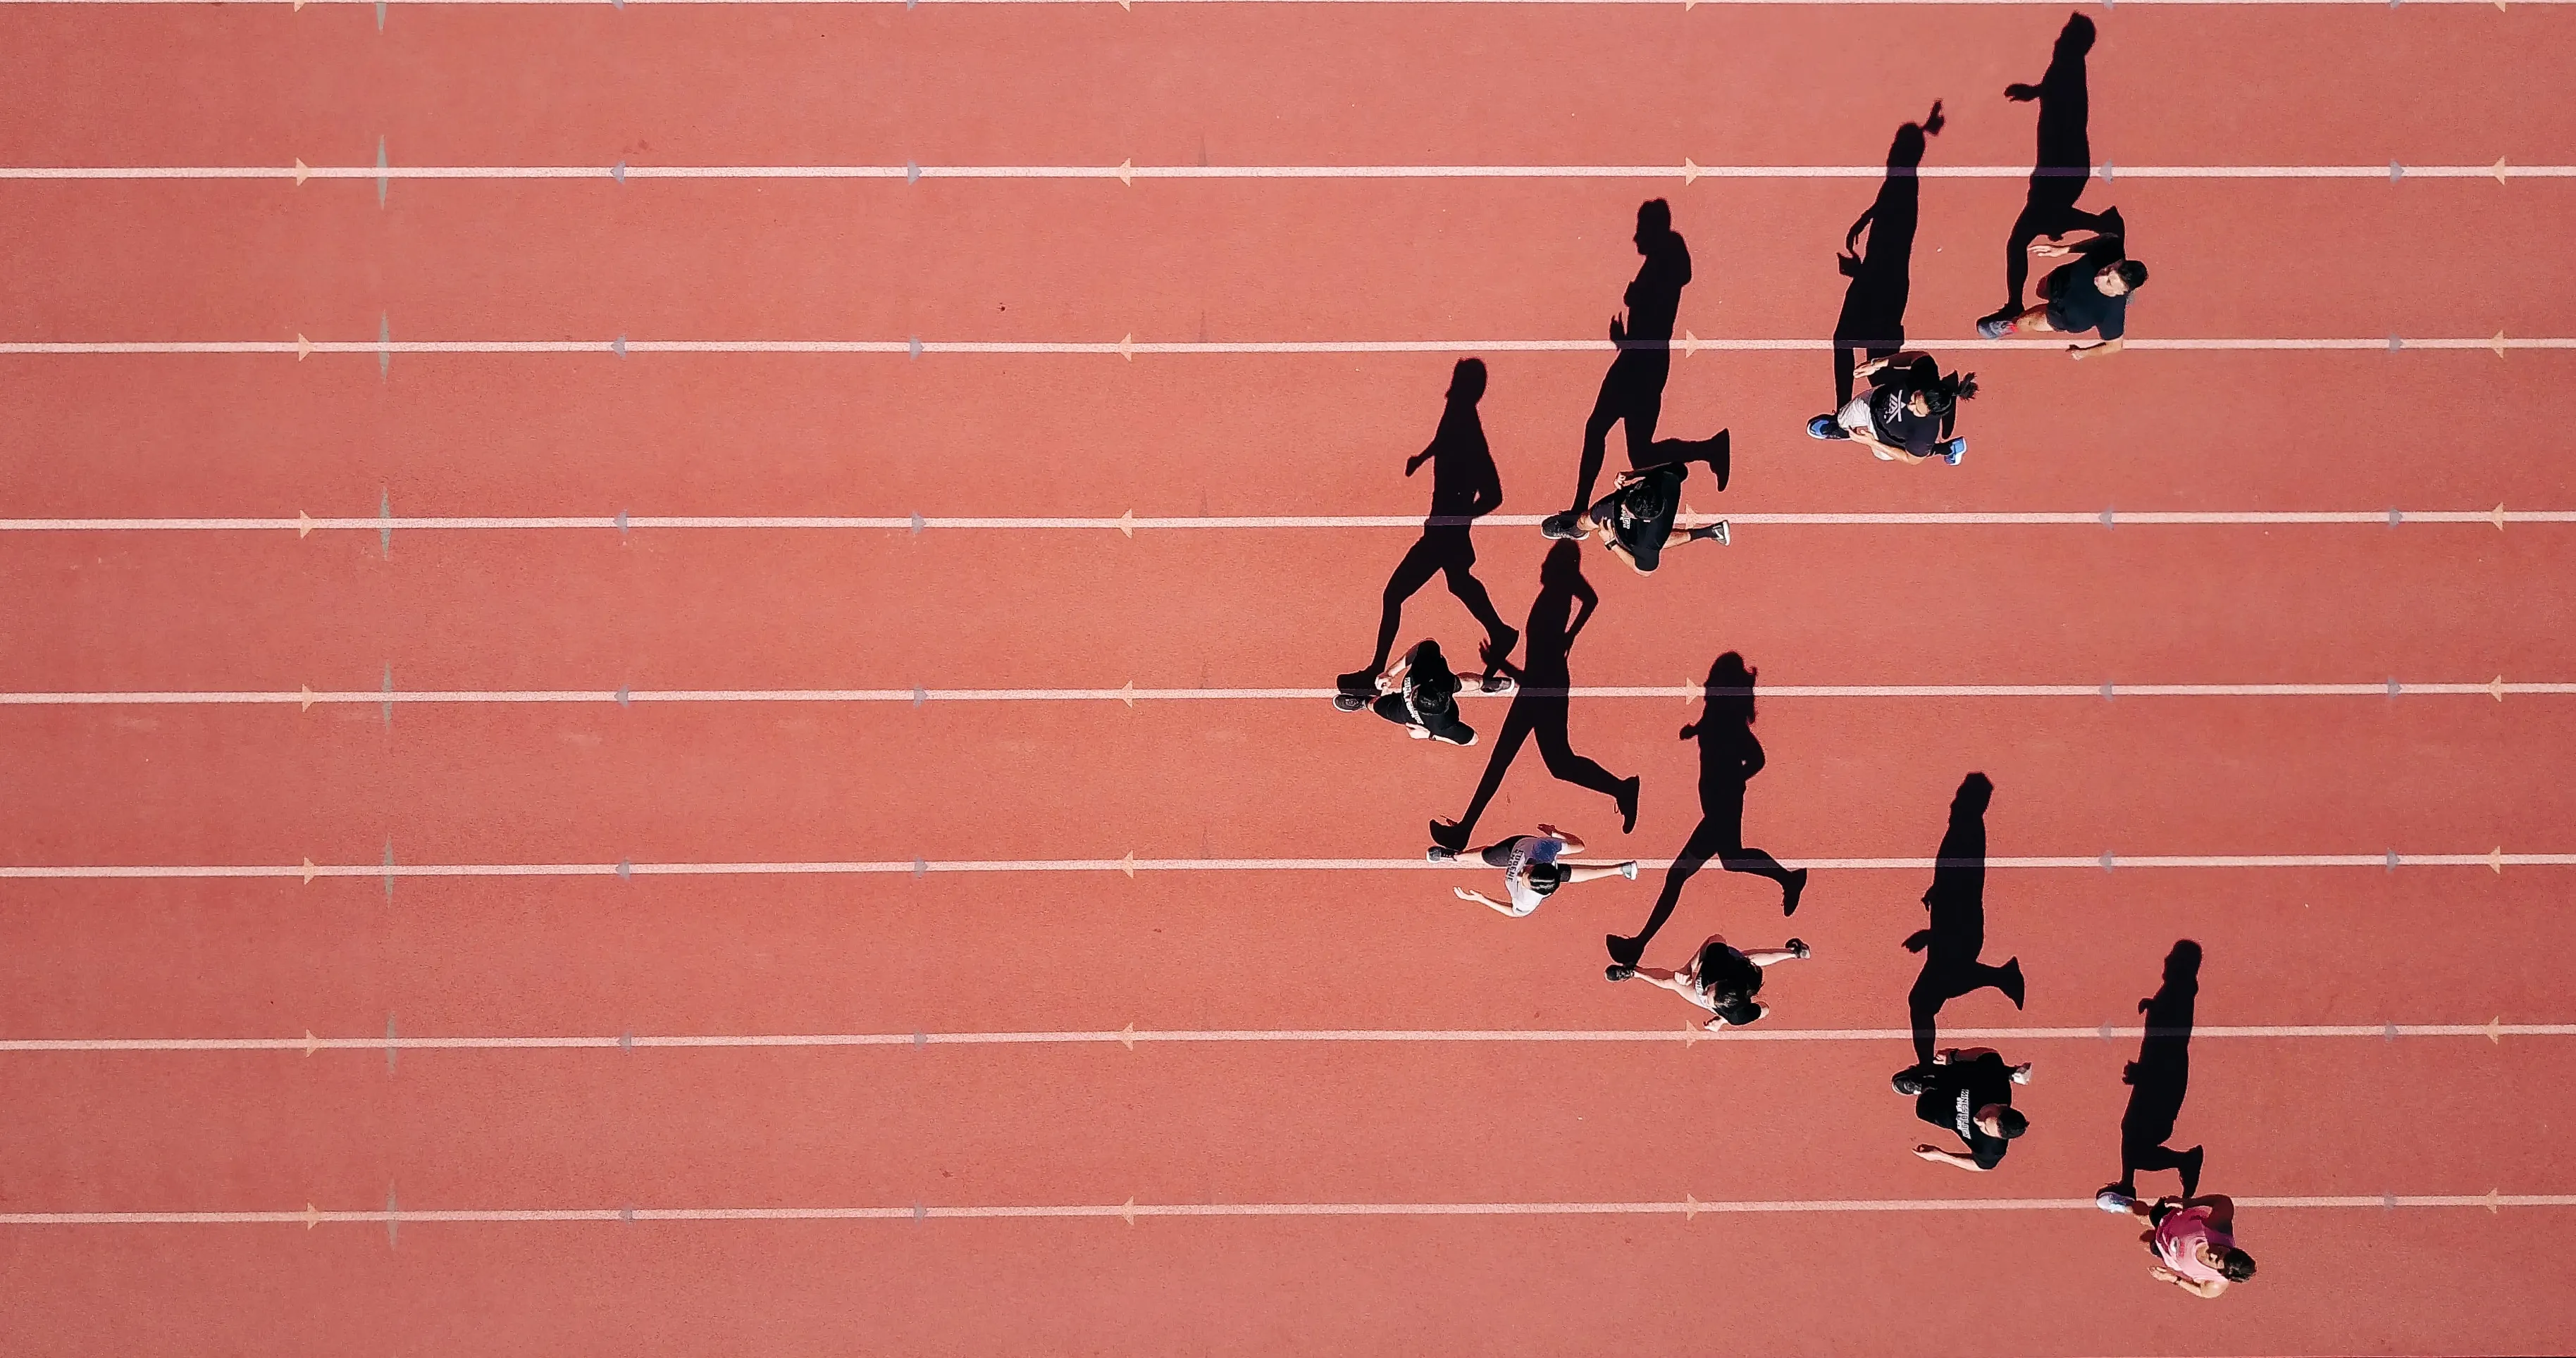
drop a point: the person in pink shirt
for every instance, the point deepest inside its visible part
(2193, 1240)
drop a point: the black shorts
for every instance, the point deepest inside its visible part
(1500, 855)
(1444, 725)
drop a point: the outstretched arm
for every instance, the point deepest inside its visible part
(1589, 599)
(1471, 894)
(2103, 350)
(1940, 1156)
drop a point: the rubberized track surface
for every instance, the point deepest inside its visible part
(1083, 1080)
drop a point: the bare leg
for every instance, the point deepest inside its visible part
(1578, 873)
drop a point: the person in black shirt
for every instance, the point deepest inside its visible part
(1719, 978)
(2090, 294)
(1632, 392)
(1967, 1092)
(1636, 517)
(1908, 414)
(1421, 695)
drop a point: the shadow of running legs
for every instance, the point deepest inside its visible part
(1464, 488)
(2160, 1076)
(1957, 934)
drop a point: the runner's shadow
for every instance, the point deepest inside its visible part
(1729, 757)
(1957, 928)
(1542, 705)
(1464, 487)
(2161, 1075)
(1882, 273)
(1632, 391)
(2064, 162)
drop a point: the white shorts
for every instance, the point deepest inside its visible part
(1854, 417)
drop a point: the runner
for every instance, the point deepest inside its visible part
(2193, 1240)
(1908, 414)
(1636, 518)
(1719, 979)
(1421, 695)
(1534, 867)
(1967, 1091)
(2090, 294)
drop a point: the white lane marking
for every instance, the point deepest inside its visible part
(1688, 173)
(1129, 1037)
(1687, 1207)
(306, 698)
(2496, 860)
(1130, 524)
(379, 348)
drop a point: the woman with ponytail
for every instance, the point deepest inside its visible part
(1908, 414)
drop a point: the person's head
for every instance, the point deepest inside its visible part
(2234, 1265)
(1999, 1119)
(1652, 498)
(2121, 279)
(1976, 792)
(1908, 1081)
(1467, 381)
(1545, 878)
(1654, 222)
(1739, 1010)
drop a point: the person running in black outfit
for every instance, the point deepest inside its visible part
(1968, 1092)
(2157, 1081)
(1636, 517)
(1632, 393)
(1872, 323)
(2090, 294)
(1421, 695)
(1464, 487)
(1907, 415)
(2063, 164)
(1957, 900)
(1540, 708)
(1719, 978)
(1729, 756)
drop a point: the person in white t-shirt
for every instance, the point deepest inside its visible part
(1534, 866)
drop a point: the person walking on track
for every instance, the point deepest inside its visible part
(1967, 1091)
(1720, 979)
(2090, 294)
(1534, 868)
(1421, 695)
(1636, 517)
(2193, 1241)
(1907, 414)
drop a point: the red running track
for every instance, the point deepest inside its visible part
(2315, 1131)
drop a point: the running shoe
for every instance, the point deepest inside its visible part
(1715, 532)
(1998, 325)
(2114, 1201)
(1953, 450)
(1437, 854)
(1617, 972)
(1826, 427)
(1628, 870)
(1559, 526)
(1799, 947)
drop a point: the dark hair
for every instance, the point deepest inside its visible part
(1655, 214)
(1946, 393)
(1544, 878)
(1730, 980)
(2133, 273)
(2010, 1124)
(1908, 1081)
(1738, 1010)
(2236, 1265)
(1467, 380)
(1649, 497)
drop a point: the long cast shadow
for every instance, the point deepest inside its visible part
(2160, 1076)
(1957, 933)
(2065, 157)
(1729, 757)
(1464, 488)
(1632, 392)
(1540, 707)
(1882, 273)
